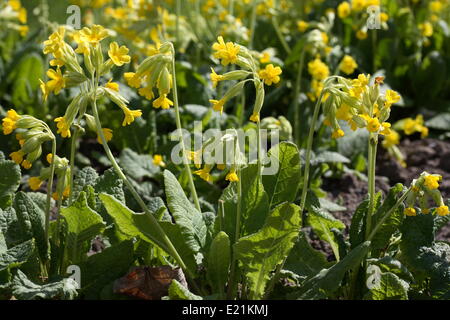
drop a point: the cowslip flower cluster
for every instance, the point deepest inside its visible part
(31, 134)
(358, 103)
(231, 158)
(13, 16)
(155, 72)
(62, 172)
(424, 190)
(69, 73)
(251, 70)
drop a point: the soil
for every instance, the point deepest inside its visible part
(429, 155)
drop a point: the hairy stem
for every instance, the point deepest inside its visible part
(296, 104)
(180, 132)
(49, 191)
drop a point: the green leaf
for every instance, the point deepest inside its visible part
(111, 184)
(102, 268)
(254, 204)
(281, 186)
(83, 224)
(304, 260)
(82, 178)
(219, 262)
(388, 287)
(260, 253)
(24, 289)
(32, 220)
(328, 281)
(186, 216)
(329, 157)
(10, 226)
(389, 264)
(381, 240)
(179, 292)
(132, 225)
(439, 122)
(322, 222)
(9, 181)
(424, 257)
(3, 247)
(137, 166)
(17, 255)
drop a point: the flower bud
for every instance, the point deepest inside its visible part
(164, 82)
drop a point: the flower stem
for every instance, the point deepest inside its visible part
(49, 191)
(180, 132)
(232, 285)
(73, 147)
(252, 25)
(371, 183)
(308, 153)
(166, 244)
(298, 83)
(277, 28)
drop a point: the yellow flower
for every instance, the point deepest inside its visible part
(108, 133)
(255, 117)
(325, 38)
(391, 139)
(23, 30)
(318, 69)
(132, 79)
(23, 15)
(343, 10)
(391, 98)
(63, 127)
(9, 122)
(265, 57)
(94, 35)
(373, 125)
(358, 5)
(221, 166)
(34, 183)
(270, 74)
(361, 34)
(163, 102)
(348, 65)
(15, 4)
(27, 164)
(338, 134)
(146, 92)
(227, 52)
(57, 83)
(411, 212)
(215, 78)
(426, 29)
(118, 55)
(386, 129)
(436, 6)
(362, 81)
(158, 160)
(17, 157)
(232, 176)
(130, 115)
(195, 156)
(442, 210)
(343, 112)
(302, 25)
(112, 85)
(204, 173)
(218, 104)
(55, 42)
(384, 17)
(432, 181)
(49, 158)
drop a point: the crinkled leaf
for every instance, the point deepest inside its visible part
(254, 204)
(328, 281)
(304, 260)
(17, 255)
(322, 223)
(137, 166)
(179, 292)
(388, 287)
(83, 224)
(281, 186)
(85, 177)
(219, 262)
(24, 289)
(9, 181)
(32, 220)
(260, 253)
(186, 216)
(102, 268)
